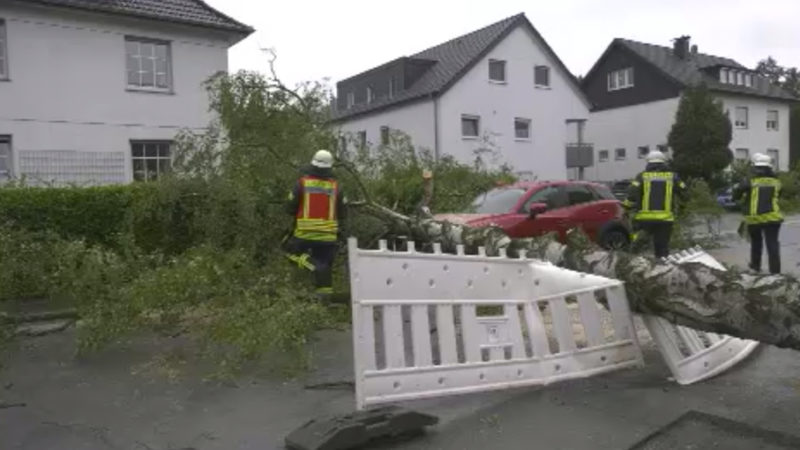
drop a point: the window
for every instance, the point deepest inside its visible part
(741, 117)
(663, 148)
(742, 153)
(384, 135)
(362, 139)
(577, 194)
(723, 75)
(748, 80)
(369, 95)
(541, 76)
(549, 195)
(150, 159)
(602, 155)
(772, 120)
(3, 51)
(148, 64)
(6, 159)
(619, 154)
(522, 128)
(470, 126)
(497, 201)
(342, 143)
(391, 87)
(497, 70)
(739, 78)
(643, 151)
(620, 79)
(773, 153)
(351, 99)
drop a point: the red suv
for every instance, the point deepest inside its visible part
(529, 209)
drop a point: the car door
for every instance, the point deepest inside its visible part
(555, 219)
(588, 210)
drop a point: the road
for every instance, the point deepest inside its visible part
(127, 398)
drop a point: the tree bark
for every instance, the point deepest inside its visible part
(764, 308)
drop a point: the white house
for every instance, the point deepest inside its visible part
(93, 91)
(501, 88)
(635, 89)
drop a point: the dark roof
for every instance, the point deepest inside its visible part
(453, 59)
(190, 12)
(690, 71)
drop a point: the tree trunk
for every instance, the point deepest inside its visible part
(764, 308)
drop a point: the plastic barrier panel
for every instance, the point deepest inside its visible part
(694, 355)
(433, 324)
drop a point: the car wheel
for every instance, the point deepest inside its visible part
(615, 239)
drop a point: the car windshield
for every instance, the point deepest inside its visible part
(496, 201)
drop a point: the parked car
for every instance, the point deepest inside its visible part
(725, 199)
(620, 189)
(529, 209)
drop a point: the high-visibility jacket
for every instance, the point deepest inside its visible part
(316, 214)
(653, 194)
(762, 201)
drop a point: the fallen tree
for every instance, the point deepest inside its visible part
(765, 308)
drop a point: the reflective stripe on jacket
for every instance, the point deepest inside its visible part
(316, 211)
(763, 205)
(656, 196)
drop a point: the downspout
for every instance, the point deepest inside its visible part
(435, 99)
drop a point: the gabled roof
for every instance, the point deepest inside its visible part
(691, 70)
(452, 60)
(190, 12)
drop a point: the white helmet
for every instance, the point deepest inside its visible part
(656, 157)
(762, 160)
(322, 159)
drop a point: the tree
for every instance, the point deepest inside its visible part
(700, 136)
(787, 78)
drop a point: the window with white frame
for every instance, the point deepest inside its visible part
(6, 159)
(3, 51)
(723, 75)
(522, 128)
(541, 76)
(148, 64)
(497, 70)
(369, 95)
(384, 135)
(470, 126)
(602, 155)
(619, 154)
(362, 139)
(740, 118)
(742, 154)
(643, 151)
(774, 155)
(620, 79)
(772, 120)
(748, 80)
(351, 99)
(391, 87)
(150, 159)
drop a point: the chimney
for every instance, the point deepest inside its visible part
(681, 47)
(694, 49)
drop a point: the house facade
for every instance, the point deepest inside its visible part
(94, 92)
(635, 89)
(499, 93)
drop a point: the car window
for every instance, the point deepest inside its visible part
(604, 192)
(578, 193)
(497, 201)
(549, 195)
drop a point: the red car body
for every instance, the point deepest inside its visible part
(558, 207)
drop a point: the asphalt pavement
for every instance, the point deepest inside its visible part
(147, 394)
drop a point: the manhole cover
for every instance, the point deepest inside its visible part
(700, 431)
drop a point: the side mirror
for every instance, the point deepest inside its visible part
(536, 208)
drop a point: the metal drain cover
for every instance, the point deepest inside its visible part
(700, 431)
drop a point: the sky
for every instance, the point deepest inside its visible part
(330, 40)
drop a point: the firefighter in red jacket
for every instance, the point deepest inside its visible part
(317, 204)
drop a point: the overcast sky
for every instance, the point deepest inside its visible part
(338, 38)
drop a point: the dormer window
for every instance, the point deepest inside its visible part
(369, 95)
(620, 79)
(735, 77)
(391, 87)
(723, 75)
(351, 99)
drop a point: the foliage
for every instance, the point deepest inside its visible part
(700, 136)
(787, 78)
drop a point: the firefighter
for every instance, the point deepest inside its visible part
(317, 204)
(762, 214)
(651, 197)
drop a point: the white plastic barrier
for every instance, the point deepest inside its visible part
(428, 325)
(694, 355)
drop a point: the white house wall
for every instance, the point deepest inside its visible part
(67, 91)
(544, 155)
(629, 127)
(649, 124)
(414, 119)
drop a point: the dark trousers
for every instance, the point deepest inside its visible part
(661, 233)
(321, 256)
(758, 234)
